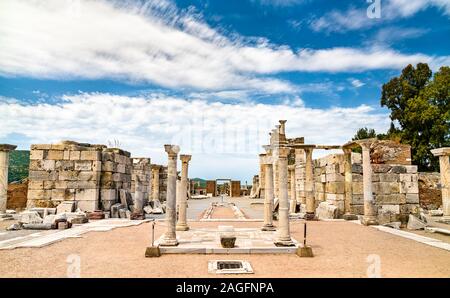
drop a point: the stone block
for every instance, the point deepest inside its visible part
(35, 194)
(357, 209)
(334, 197)
(409, 209)
(335, 177)
(42, 165)
(96, 166)
(335, 187)
(42, 175)
(409, 188)
(63, 194)
(90, 155)
(411, 169)
(83, 165)
(64, 165)
(412, 198)
(55, 155)
(40, 147)
(87, 206)
(326, 211)
(87, 195)
(398, 170)
(388, 177)
(415, 224)
(36, 185)
(74, 155)
(357, 168)
(391, 199)
(358, 199)
(356, 158)
(319, 196)
(37, 154)
(89, 176)
(66, 155)
(408, 177)
(65, 206)
(357, 177)
(121, 168)
(357, 188)
(68, 175)
(30, 217)
(386, 188)
(381, 168)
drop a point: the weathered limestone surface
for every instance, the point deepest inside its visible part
(430, 194)
(4, 163)
(170, 238)
(183, 193)
(267, 162)
(141, 181)
(444, 167)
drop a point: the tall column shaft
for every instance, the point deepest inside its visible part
(348, 188)
(182, 216)
(268, 196)
(293, 198)
(370, 212)
(283, 237)
(444, 169)
(170, 237)
(4, 163)
(155, 187)
(309, 184)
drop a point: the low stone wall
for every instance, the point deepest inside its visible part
(395, 187)
(430, 193)
(91, 175)
(142, 171)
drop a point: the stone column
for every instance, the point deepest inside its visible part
(170, 237)
(300, 168)
(268, 196)
(276, 179)
(348, 185)
(261, 176)
(182, 215)
(155, 187)
(293, 198)
(4, 163)
(444, 168)
(284, 236)
(282, 126)
(370, 212)
(138, 196)
(309, 184)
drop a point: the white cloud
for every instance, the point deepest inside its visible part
(356, 83)
(225, 137)
(156, 42)
(356, 18)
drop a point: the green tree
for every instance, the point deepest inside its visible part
(364, 133)
(419, 103)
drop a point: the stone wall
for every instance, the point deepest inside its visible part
(142, 172)
(91, 175)
(17, 195)
(430, 193)
(395, 187)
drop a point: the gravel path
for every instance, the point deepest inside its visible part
(341, 250)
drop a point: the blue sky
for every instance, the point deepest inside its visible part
(212, 76)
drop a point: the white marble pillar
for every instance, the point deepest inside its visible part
(283, 236)
(4, 163)
(138, 196)
(293, 190)
(348, 188)
(444, 169)
(309, 184)
(261, 177)
(155, 186)
(182, 201)
(170, 237)
(370, 211)
(276, 179)
(268, 196)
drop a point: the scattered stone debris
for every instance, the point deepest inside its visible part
(37, 226)
(326, 211)
(437, 212)
(395, 225)
(14, 227)
(30, 217)
(65, 206)
(415, 223)
(438, 230)
(97, 214)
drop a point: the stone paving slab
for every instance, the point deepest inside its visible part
(207, 241)
(48, 237)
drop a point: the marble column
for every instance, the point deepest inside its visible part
(170, 237)
(293, 198)
(268, 196)
(138, 196)
(444, 169)
(283, 236)
(182, 215)
(261, 177)
(4, 163)
(370, 211)
(282, 126)
(155, 186)
(309, 184)
(348, 188)
(300, 168)
(275, 156)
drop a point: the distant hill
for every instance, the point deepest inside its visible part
(201, 182)
(19, 161)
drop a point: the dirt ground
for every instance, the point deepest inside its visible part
(341, 250)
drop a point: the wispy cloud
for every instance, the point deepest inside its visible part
(356, 83)
(156, 42)
(355, 18)
(214, 132)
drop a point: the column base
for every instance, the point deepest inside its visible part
(310, 216)
(152, 252)
(182, 227)
(350, 216)
(305, 252)
(284, 242)
(369, 220)
(268, 228)
(168, 242)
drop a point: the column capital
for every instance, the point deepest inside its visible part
(347, 150)
(283, 152)
(266, 160)
(282, 121)
(185, 158)
(7, 147)
(172, 150)
(156, 167)
(291, 167)
(441, 151)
